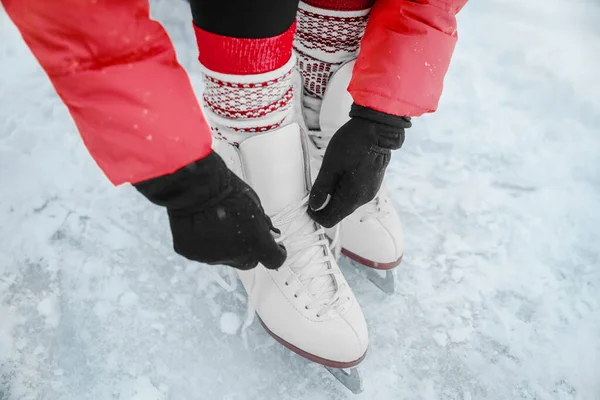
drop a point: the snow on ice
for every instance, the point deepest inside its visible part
(230, 323)
(499, 191)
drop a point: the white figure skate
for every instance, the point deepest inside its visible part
(372, 235)
(306, 305)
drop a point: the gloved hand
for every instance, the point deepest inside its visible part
(215, 217)
(354, 164)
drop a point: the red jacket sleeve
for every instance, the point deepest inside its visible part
(404, 55)
(116, 71)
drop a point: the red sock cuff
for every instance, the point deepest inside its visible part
(341, 5)
(237, 56)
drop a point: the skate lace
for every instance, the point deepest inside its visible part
(313, 268)
(309, 259)
(321, 140)
(375, 209)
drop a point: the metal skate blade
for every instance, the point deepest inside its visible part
(348, 377)
(384, 280)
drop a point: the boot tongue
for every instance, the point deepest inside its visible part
(274, 167)
(337, 101)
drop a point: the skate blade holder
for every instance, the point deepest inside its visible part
(349, 377)
(383, 279)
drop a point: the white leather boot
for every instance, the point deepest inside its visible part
(372, 235)
(307, 304)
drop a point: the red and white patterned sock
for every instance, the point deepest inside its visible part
(328, 35)
(247, 83)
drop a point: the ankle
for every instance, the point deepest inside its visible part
(247, 83)
(328, 35)
(238, 106)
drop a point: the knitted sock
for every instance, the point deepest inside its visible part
(247, 83)
(329, 34)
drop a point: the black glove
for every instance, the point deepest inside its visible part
(215, 217)
(354, 164)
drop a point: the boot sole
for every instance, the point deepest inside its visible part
(372, 264)
(312, 357)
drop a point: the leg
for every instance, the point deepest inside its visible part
(254, 19)
(250, 85)
(329, 34)
(246, 56)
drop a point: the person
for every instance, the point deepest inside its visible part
(272, 70)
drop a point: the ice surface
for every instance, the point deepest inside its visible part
(499, 191)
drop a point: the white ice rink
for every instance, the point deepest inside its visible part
(499, 191)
